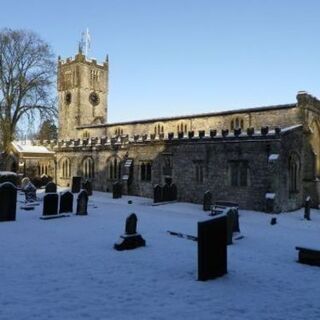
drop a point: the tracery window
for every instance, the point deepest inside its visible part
(182, 127)
(65, 166)
(158, 129)
(237, 123)
(114, 168)
(145, 171)
(118, 131)
(199, 171)
(238, 173)
(88, 168)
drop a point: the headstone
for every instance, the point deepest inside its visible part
(273, 221)
(8, 201)
(307, 203)
(131, 224)
(76, 184)
(157, 194)
(131, 239)
(51, 187)
(50, 204)
(207, 201)
(30, 192)
(82, 203)
(87, 185)
(212, 248)
(66, 202)
(173, 192)
(45, 180)
(231, 221)
(24, 182)
(117, 190)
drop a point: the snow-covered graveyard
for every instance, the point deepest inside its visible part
(67, 268)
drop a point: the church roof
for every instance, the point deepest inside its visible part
(26, 148)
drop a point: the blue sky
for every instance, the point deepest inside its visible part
(170, 57)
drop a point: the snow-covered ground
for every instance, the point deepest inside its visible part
(67, 268)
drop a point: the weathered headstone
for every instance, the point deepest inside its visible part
(51, 187)
(76, 184)
(66, 202)
(207, 201)
(307, 209)
(82, 203)
(231, 221)
(212, 248)
(131, 239)
(117, 190)
(157, 194)
(50, 204)
(30, 192)
(8, 201)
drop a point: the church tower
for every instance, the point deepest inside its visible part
(82, 94)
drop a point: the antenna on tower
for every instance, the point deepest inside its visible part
(85, 42)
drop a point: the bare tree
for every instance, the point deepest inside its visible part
(27, 73)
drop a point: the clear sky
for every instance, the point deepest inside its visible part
(171, 57)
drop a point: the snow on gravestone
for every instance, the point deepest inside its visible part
(8, 201)
(30, 192)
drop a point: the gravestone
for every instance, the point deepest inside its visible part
(157, 194)
(30, 192)
(8, 201)
(231, 221)
(207, 201)
(87, 185)
(24, 182)
(82, 203)
(131, 224)
(131, 239)
(45, 180)
(307, 203)
(51, 187)
(212, 248)
(117, 190)
(50, 204)
(173, 192)
(76, 184)
(66, 202)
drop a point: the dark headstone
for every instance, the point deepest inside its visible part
(273, 221)
(82, 203)
(76, 184)
(87, 185)
(50, 204)
(30, 192)
(51, 187)
(8, 201)
(8, 176)
(45, 180)
(207, 201)
(307, 203)
(117, 190)
(66, 202)
(157, 194)
(131, 239)
(212, 248)
(232, 220)
(173, 192)
(131, 224)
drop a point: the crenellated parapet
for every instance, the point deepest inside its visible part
(202, 136)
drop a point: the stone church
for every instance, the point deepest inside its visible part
(265, 158)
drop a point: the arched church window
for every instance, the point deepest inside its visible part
(146, 171)
(65, 168)
(158, 129)
(236, 123)
(88, 168)
(294, 173)
(114, 168)
(86, 135)
(182, 127)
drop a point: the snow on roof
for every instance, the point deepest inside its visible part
(27, 147)
(273, 157)
(7, 173)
